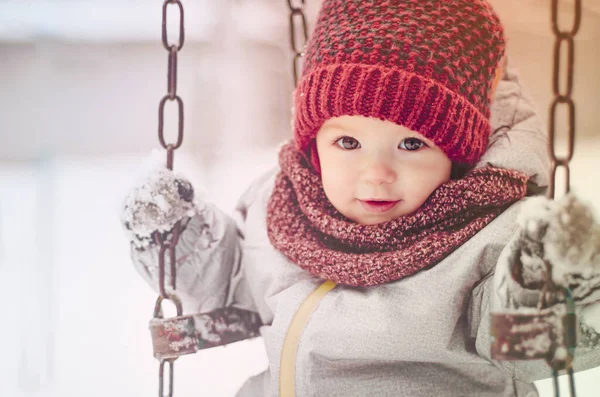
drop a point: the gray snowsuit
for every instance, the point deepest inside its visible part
(425, 335)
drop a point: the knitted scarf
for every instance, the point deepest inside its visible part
(306, 228)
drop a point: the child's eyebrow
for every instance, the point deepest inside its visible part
(341, 127)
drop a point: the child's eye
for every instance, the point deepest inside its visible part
(347, 143)
(412, 144)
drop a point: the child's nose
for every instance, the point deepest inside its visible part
(379, 171)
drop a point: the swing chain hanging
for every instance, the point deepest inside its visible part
(176, 336)
(562, 97)
(171, 82)
(515, 334)
(298, 25)
(168, 242)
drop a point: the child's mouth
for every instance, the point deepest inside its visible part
(378, 206)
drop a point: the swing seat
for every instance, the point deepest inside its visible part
(543, 334)
(181, 335)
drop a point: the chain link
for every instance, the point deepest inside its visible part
(298, 23)
(165, 38)
(161, 386)
(168, 242)
(167, 246)
(562, 98)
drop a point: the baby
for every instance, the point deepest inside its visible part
(367, 259)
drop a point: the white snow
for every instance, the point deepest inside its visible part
(540, 344)
(560, 353)
(591, 316)
(154, 205)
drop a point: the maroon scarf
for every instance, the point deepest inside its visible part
(306, 228)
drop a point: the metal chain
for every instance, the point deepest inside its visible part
(562, 97)
(168, 243)
(297, 50)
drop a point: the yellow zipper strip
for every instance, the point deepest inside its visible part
(290, 344)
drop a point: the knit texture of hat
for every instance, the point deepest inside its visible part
(427, 65)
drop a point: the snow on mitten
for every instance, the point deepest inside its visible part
(156, 204)
(565, 234)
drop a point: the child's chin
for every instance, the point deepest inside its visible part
(374, 219)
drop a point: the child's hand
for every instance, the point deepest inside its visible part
(565, 234)
(156, 205)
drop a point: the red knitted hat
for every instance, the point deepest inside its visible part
(427, 65)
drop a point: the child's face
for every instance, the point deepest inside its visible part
(366, 159)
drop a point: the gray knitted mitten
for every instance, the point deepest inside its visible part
(565, 234)
(156, 204)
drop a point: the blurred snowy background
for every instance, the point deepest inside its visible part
(80, 84)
